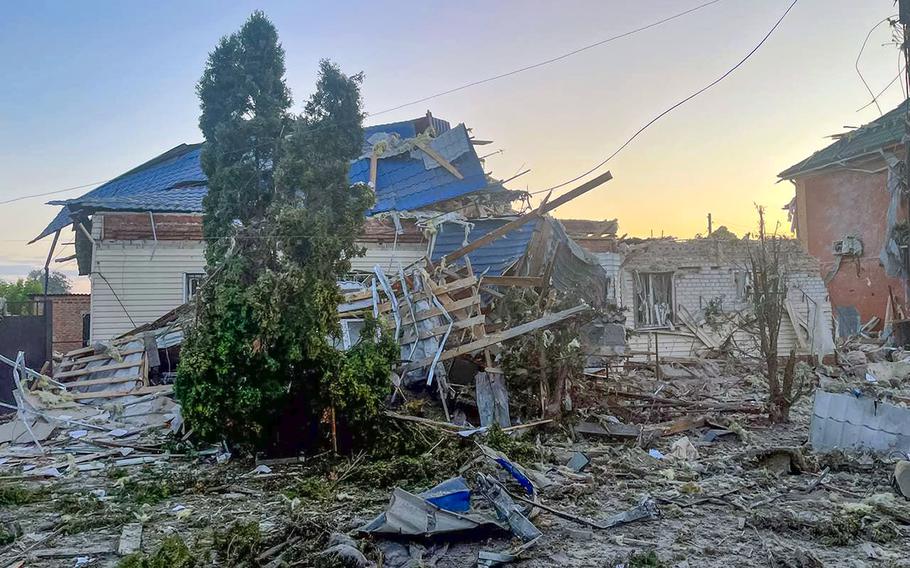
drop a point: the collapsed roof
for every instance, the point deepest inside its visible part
(419, 163)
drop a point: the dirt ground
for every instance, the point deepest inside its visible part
(758, 497)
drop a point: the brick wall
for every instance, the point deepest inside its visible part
(836, 203)
(68, 310)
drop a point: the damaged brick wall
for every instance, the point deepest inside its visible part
(840, 202)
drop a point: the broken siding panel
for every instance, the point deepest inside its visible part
(388, 256)
(610, 262)
(148, 278)
(667, 343)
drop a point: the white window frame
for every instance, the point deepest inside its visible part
(188, 277)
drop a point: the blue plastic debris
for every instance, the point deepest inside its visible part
(452, 495)
(655, 453)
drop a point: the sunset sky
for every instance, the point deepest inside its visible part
(92, 89)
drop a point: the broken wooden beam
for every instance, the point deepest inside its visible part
(543, 209)
(505, 335)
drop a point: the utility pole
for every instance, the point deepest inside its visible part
(709, 224)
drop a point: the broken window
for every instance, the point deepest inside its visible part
(653, 299)
(742, 279)
(191, 282)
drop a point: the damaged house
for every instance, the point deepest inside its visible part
(850, 213)
(139, 236)
(682, 298)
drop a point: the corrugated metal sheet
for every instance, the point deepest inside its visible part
(882, 133)
(845, 422)
(496, 257)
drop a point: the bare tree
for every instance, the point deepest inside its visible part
(769, 297)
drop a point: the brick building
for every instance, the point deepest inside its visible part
(68, 320)
(850, 213)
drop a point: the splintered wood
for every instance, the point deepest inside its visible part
(117, 369)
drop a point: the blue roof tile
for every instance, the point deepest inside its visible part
(175, 182)
(494, 258)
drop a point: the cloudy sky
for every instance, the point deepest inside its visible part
(92, 89)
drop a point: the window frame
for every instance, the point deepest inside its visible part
(188, 277)
(636, 298)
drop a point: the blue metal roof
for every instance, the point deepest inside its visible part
(498, 256)
(175, 182)
(404, 182)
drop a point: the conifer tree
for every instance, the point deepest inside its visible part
(285, 218)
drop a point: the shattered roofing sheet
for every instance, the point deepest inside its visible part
(878, 134)
(406, 183)
(497, 256)
(175, 181)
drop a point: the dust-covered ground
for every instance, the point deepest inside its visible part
(756, 497)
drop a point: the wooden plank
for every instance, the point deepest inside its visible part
(544, 208)
(501, 336)
(433, 312)
(90, 370)
(437, 157)
(514, 281)
(449, 288)
(166, 389)
(689, 322)
(454, 286)
(102, 357)
(104, 381)
(440, 330)
(374, 166)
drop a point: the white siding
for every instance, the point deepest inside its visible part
(611, 262)
(388, 256)
(135, 282)
(148, 277)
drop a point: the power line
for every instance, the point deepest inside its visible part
(860, 54)
(547, 61)
(442, 93)
(675, 106)
(64, 190)
(875, 98)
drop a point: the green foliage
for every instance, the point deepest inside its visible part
(146, 492)
(285, 218)
(57, 282)
(244, 102)
(647, 559)
(516, 448)
(554, 353)
(172, 553)
(360, 384)
(239, 545)
(17, 293)
(18, 494)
